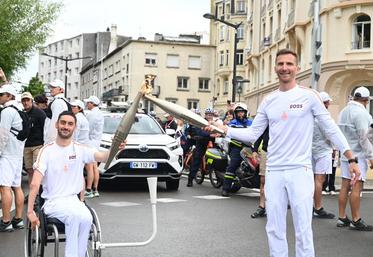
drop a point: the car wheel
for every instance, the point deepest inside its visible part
(172, 184)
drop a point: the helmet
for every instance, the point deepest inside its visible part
(240, 107)
(152, 113)
(209, 110)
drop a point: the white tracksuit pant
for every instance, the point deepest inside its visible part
(296, 187)
(77, 219)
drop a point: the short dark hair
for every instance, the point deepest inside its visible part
(287, 51)
(41, 99)
(69, 113)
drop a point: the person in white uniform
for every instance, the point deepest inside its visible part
(81, 133)
(321, 162)
(59, 168)
(58, 105)
(11, 154)
(96, 127)
(290, 112)
(354, 121)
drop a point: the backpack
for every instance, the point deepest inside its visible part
(48, 111)
(26, 126)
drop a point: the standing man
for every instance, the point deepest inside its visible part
(41, 101)
(35, 139)
(96, 127)
(263, 141)
(59, 168)
(11, 153)
(321, 162)
(288, 112)
(58, 105)
(354, 121)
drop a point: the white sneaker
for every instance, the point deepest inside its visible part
(361, 194)
(88, 194)
(333, 192)
(96, 194)
(324, 193)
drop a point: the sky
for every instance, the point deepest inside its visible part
(133, 18)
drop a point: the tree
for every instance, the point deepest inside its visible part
(24, 27)
(35, 86)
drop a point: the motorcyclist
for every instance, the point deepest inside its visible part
(202, 140)
(240, 121)
(190, 133)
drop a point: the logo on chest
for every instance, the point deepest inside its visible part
(72, 157)
(296, 106)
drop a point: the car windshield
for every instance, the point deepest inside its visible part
(143, 125)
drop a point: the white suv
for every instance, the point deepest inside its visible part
(149, 152)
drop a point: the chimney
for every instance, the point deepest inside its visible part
(113, 37)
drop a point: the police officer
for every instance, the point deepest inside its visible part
(240, 121)
(202, 140)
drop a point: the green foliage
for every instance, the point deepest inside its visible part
(24, 27)
(35, 86)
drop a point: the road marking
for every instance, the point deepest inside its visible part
(119, 204)
(211, 197)
(169, 200)
(253, 194)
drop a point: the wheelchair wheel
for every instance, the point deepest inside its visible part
(94, 236)
(34, 242)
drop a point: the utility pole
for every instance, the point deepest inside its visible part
(316, 45)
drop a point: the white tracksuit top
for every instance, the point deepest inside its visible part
(96, 127)
(290, 116)
(354, 121)
(320, 143)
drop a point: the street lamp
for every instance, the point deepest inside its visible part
(239, 87)
(235, 26)
(66, 60)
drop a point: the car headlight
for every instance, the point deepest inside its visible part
(173, 146)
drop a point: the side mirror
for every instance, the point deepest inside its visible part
(170, 132)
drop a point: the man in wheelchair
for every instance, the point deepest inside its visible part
(59, 168)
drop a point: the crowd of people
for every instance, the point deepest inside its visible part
(293, 137)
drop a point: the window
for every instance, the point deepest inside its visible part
(221, 62)
(182, 83)
(227, 57)
(172, 100)
(194, 62)
(361, 32)
(61, 73)
(78, 41)
(150, 59)
(76, 85)
(54, 74)
(55, 61)
(203, 84)
(70, 43)
(49, 63)
(239, 57)
(77, 55)
(111, 70)
(42, 65)
(241, 32)
(76, 70)
(225, 88)
(117, 66)
(221, 35)
(241, 6)
(193, 104)
(173, 61)
(261, 79)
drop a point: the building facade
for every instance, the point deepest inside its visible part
(347, 56)
(222, 36)
(77, 52)
(184, 70)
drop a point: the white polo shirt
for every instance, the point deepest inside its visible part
(290, 116)
(96, 127)
(81, 133)
(62, 168)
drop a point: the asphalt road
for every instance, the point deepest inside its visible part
(198, 222)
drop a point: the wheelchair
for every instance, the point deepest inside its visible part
(51, 230)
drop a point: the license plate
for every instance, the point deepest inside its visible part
(143, 165)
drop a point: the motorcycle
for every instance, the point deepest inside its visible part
(217, 160)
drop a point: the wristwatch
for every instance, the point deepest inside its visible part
(353, 160)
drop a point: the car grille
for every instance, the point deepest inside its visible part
(164, 169)
(150, 154)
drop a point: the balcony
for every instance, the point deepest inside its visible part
(106, 96)
(290, 20)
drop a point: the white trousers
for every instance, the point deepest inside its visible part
(295, 187)
(77, 219)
